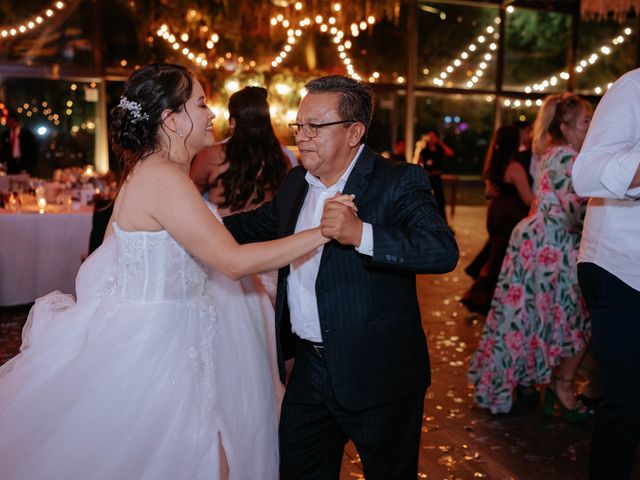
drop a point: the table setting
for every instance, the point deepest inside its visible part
(44, 234)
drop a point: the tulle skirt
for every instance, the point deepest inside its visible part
(106, 389)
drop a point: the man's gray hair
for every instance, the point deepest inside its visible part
(356, 98)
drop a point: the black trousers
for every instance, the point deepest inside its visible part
(314, 429)
(615, 320)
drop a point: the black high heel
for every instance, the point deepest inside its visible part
(577, 414)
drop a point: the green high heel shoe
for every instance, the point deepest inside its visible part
(577, 414)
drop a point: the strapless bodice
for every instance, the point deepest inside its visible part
(154, 267)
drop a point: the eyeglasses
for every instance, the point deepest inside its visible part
(311, 129)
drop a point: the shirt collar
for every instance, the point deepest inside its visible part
(314, 181)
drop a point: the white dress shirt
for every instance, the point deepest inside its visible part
(603, 171)
(301, 284)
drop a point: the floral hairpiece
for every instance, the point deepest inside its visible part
(134, 109)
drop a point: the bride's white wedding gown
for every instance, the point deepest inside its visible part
(139, 378)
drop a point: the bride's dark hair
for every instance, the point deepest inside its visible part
(136, 120)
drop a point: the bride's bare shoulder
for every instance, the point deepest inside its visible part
(152, 174)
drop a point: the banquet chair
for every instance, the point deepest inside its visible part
(102, 210)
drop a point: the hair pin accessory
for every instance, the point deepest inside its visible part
(134, 109)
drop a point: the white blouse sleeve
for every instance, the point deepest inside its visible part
(610, 155)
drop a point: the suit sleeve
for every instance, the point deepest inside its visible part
(255, 225)
(414, 236)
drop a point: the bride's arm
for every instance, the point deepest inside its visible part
(175, 204)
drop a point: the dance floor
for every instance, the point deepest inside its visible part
(459, 441)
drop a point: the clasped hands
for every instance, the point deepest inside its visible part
(340, 220)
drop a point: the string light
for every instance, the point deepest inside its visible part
(515, 103)
(46, 111)
(465, 54)
(329, 27)
(292, 35)
(582, 65)
(198, 58)
(33, 22)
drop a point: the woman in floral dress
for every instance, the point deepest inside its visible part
(537, 329)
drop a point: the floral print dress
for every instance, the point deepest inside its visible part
(537, 314)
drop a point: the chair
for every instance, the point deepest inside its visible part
(102, 210)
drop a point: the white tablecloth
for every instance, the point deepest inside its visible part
(40, 253)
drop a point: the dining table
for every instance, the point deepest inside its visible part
(41, 252)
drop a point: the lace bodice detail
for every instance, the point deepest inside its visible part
(153, 267)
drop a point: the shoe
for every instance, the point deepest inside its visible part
(577, 414)
(472, 271)
(528, 395)
(474, 307)
(591, 403)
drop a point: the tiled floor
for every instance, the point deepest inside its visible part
(459, 441)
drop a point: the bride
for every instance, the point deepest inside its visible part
(151, 373)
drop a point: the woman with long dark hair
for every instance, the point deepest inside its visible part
(150, 373)
(246, 169)
(509, 200)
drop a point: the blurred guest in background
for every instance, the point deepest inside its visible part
(538, 327)
(509, 196)
(18, 147)
(524, 157)
(431, 158)
(398, 151)
(609, 270)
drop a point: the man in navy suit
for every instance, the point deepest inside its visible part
(349, 312)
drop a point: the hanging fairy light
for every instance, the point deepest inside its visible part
(29, 109)
(328, 27)
(582, 65)
(482, 43)
(292, 36)
(33, 22)
(198, 58)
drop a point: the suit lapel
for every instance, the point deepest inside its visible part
(357, 183)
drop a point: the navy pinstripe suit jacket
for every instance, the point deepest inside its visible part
(375, 346)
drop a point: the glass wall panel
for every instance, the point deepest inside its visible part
(61, 115)
(605, 51)
(464, 122)
(379, 52)
(536, 50)
(387, 126)
(457, 45)
(63, 37)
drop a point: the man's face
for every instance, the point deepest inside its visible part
(12, 123)
(326, 155)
